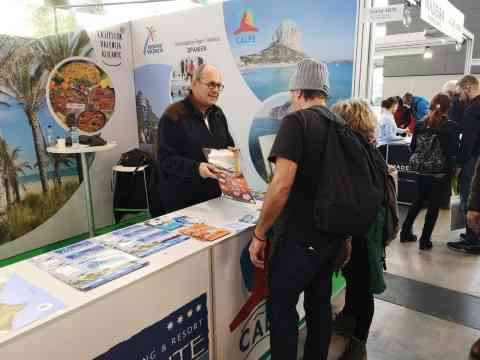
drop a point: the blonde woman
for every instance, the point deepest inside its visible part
(364, 272)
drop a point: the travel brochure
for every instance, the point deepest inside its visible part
(231, 180)
(143, 240)
(88, 264)
(91, 263)
(22, 303)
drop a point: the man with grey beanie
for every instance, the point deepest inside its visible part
(304, 258)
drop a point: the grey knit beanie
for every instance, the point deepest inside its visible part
(310, 75)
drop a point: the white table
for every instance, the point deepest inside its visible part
(83, 150)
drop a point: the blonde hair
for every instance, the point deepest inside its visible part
(359, 116)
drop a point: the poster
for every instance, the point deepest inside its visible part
(41, 82)
(184, 334)
(256, 45)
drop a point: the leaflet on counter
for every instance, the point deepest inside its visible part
(22, 303)
(87, 264)
(143, 240)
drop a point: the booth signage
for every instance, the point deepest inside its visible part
(183, 335)
(445, 17)
(384, 14)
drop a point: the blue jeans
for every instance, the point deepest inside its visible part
(466, 177)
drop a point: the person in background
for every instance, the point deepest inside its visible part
(304, 258)
(364, 271)
(418, 105)
(473, 219)
(469, 88)
(458, 106)
(403, 116)
(430, 187)
(186, 127)
(387, 127)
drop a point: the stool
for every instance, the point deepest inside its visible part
(119, 169)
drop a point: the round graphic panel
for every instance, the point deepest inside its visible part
(80, 87)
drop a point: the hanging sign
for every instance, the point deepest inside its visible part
(384, 14)
(445, 17)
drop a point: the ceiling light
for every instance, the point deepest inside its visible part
(459, 46)
(428, 54)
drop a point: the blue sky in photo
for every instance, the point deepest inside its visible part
(327, 26)
(152, 80)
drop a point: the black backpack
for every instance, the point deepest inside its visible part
(351, 189)
(428, 157)
(135, 158)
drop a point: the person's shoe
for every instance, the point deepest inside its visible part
(407, 237)
(344, 324)
(425, 245)
(475, 351)
(356, 350)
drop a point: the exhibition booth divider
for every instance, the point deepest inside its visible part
(105, 298)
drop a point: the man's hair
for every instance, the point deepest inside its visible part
(468, 80)
(408, 96)
(313, 94)
(197, 75)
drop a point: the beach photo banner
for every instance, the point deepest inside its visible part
(48, 85)
(256, 45)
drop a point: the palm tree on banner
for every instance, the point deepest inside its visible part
(53, 49)
(22, 79)
(7, 49)
(4, 180)
(14, 168)
(58, 160)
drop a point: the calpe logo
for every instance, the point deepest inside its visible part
(251, 321)
(245, 34)
(151, 46)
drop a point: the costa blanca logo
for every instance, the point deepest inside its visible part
(152, 47)
(245, 34)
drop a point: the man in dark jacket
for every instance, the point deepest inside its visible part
(184, 177)
(469, 150)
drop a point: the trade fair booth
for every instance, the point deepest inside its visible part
(177, 297)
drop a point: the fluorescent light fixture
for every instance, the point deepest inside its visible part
(428, 54)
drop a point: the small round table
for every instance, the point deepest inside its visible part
(83, 150)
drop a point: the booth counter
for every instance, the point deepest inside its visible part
(182, 305)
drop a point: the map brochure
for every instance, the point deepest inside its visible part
(87, 264)
(204, 232)
(142, 240)
(22, 303)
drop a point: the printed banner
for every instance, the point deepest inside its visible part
(183, 335)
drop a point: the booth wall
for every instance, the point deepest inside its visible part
(36, 217)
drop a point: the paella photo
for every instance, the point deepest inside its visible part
(81, 87)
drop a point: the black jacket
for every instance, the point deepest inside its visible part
(449, 139)
(182, 134)
(470, 143)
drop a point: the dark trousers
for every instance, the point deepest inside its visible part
(295, 269)
(430, 189)
(359, 303)
(466, 178)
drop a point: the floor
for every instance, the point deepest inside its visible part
(431, 309)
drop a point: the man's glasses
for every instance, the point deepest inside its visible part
(212, 85)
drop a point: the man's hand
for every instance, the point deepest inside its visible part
(208, 171)
(257, 252)
(473, 220)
